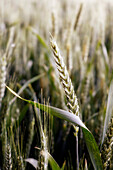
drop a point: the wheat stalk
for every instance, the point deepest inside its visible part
(43, 131)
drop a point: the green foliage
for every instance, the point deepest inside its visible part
(75, 120)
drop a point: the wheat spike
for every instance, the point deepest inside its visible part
(86, 88)
(8, 160)
(20, 163)
(53, 21)
(2, 76)
(107, 148)
(78, 16)
(72, 101)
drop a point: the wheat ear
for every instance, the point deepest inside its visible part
(2, 76)
(72, 101)
(8, 161)
(107, 148)
(78, 16)
(53, 21)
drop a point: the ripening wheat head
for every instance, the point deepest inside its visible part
(107, 148)
(2, 76)
(8, 159)
(72, 101)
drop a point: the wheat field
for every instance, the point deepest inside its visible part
(56, 84)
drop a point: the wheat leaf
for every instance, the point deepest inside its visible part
(33, 162)
(51, 160)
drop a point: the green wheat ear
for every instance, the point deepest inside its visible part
(107, 147)
(72, 101)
